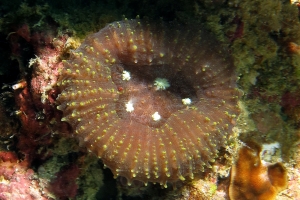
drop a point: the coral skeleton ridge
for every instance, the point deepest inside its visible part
(145, 127)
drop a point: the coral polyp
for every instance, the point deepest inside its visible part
(161, 83)
(110, 98)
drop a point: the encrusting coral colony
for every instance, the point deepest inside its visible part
(201, 96)
(253, 179)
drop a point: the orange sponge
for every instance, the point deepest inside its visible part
(253, 179)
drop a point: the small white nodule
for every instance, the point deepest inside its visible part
(186, 101)
(126, 75)
(156, 116)
(129, 107)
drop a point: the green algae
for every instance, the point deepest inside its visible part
(62, 156)
(66, 152)
(91, 178)
(262, 54)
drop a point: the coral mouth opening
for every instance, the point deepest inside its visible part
(141, 100)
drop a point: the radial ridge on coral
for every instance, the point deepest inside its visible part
(141, 132)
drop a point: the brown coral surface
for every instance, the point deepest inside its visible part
(154, 101)
(253, 179)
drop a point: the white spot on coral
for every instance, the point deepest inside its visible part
(129, 107)
(186, 101)
(126, 75)
(156, 116)
(271, 147)
(271, 152)
(161, 83)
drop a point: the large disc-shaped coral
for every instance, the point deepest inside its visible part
(154, 101)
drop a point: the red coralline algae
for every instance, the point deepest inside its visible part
(154, 101)
(24, 32)
(35, 95)
(239, 32)
(290, 103)
(290, 100)
(14, 38)
(64, 186)
(6, 156)
(35, 132)
(17, 181)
